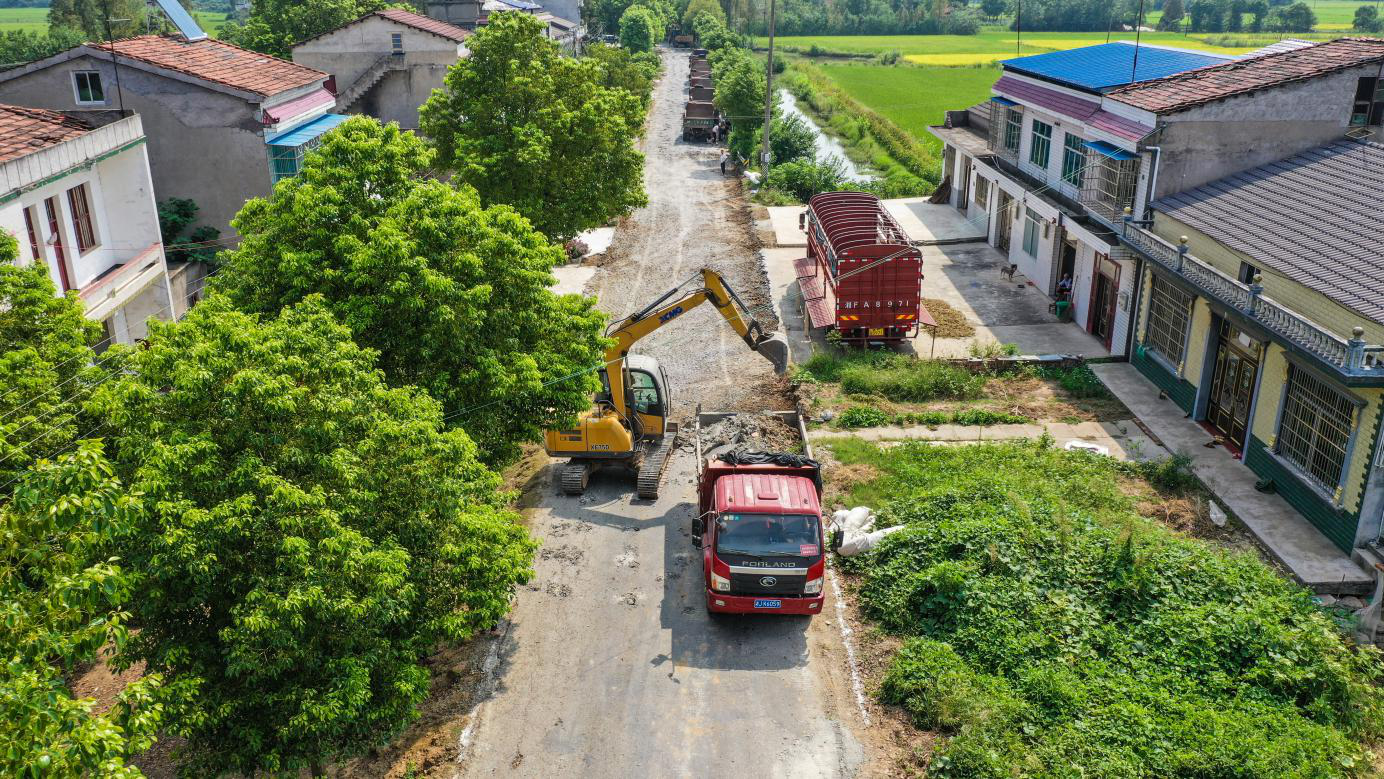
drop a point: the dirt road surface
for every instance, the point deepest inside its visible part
(610, 666)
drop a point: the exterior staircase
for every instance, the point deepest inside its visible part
(372, 75)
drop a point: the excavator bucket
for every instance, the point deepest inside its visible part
(775, 349)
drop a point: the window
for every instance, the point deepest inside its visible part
(1247, 273)
(29, 227)
(396, 42)
(1169, 309)
(87, 86)
(982, 193)
(1030, 232)
(1314, 433)
(644, 394)
(286, 161)
(1073, 159)
(1041, 149)
(1013, 127)
(81, 218)
(1368, 108)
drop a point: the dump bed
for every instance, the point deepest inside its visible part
(701, 94)
(710, 468)
(698, 114)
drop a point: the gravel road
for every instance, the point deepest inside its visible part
(610, 666)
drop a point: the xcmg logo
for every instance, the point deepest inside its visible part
(670, 314)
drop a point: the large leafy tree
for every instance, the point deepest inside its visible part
(638, 29)
(45, 366)
(530, 128)
(90, 17)
(453, 296)
(308, 535)
(61, 601)
(273, 26)
(619, 69)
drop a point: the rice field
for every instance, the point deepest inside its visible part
(913, 97)
(36, 19)
(986, 47)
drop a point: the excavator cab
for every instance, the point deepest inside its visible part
(650, 394)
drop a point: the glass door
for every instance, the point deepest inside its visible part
(1232, 385)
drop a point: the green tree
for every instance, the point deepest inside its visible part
(603, 16)
(308, 535)
(621, 70)
(89, 17)
(740, 84)
(1367, 19)
(790, 140)
(638, 29)
(45, 359)
(453, 296)
(273, 26)
(1297, 17)
(530, 128)
(698, 8)
(17, 46)
(63, 601)
(1172, 15)
(994, 8)
(665, 15)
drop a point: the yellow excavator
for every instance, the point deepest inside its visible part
(630, 422)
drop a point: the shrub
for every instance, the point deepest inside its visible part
(1170, 473)
(804, 179)
(1078, 380)
(862, 416)
(916, 381)
(992, 349)
(981, 417)
(790, 140)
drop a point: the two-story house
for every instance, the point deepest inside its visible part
(387, 63)
(1049, 164)
(224, 123)
(79, 200)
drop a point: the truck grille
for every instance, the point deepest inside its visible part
(754, 584)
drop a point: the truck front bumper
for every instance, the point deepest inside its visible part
(721, 603)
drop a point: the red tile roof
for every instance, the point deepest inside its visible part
(425, 23)
(27, 130)
(1088, 111)
(1216, 82)
(216, 61)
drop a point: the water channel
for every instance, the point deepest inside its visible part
(827, 146)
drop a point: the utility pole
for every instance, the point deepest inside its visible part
(1138, 31)
(1018, 25)
(110, 42)
(768, 94)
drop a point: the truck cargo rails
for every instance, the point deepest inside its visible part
(862, 276)
(759, 526)
(697, 121)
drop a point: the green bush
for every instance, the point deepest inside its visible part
(1170, 473)
(983, 416)
(913, 381)
(804, 179)
(992, 349)
(862, 416)
(1078, 380)
(1052, 628)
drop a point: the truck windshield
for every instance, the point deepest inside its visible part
(768, 534)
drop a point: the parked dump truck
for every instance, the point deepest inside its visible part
(701, 94)
(862, 276)
(683, 41)
(700, 68)
(697, 121)
(759, 520)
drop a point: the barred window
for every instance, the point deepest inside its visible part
(1030, 232)
(1041, 148)
(1013, 125)
(1167, 325)
(1073, 159)
(1314, 433)
(982, 191)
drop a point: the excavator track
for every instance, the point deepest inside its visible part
(655, 463)
(574, 477)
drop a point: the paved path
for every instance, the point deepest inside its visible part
(1289, 538)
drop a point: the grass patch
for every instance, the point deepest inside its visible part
(950, 322)
(1079, 380)
(891, 376)
(1049, 626)
(27, 19)
(913, 97)
(998, 44)
(870, 416)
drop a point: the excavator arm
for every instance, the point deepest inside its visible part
(773, 346)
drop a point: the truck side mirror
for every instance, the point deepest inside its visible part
(698, 527)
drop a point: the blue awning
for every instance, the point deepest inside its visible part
(1110, 150)
(1003, 101)
(306, 132)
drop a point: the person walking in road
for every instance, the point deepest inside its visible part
(725, 155)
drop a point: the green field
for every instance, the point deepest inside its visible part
(982, 48)
(913, 97)
(36, 19)
(1332, 15)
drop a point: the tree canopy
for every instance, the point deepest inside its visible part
(453, 296)
(638, 29)
(530, 128)
(619, 69)
(89, 17)
(307, 535)
(63, 600)
(698, 8)
(273, 26)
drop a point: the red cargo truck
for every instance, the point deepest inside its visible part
(861, 276)
(759, 527)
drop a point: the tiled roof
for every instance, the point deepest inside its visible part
(1107, 65)
(1313, 217)
(425, 23)
(1087, 111)
(1185, 90)
(216, 61)
(27, 130)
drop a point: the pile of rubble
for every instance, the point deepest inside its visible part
(750, 433)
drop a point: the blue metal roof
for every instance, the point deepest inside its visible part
(1108, 65)
(306, 132)
(1110, 150)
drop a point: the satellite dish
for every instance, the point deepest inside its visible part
(181, 19)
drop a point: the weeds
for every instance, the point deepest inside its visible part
(862, 416)
(899, 378)
(869, 416)
(989, 350)
(1078, 380)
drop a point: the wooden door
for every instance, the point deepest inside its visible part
(1100, 316)
(1232, 385)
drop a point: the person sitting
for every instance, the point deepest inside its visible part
(1064, 287)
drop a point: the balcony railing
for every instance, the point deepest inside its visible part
(1352, 357)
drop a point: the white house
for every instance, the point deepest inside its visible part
(79, 199)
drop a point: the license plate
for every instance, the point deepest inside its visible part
(876, 331)
(761, 603)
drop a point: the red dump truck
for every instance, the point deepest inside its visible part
(697, 121)
(861, 276)
(759, 526)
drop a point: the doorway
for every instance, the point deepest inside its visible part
(1066, 267)
(1232, 384)
(1004, 222)
(1105, 285)
(963, 184)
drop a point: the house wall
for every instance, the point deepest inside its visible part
(203, 145)
(1227, 136)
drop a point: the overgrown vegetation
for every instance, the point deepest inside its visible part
(176, 215)
(893, 376)
(1078, 380)
(1049, 626)
(870, 416)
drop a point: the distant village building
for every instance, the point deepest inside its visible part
(223, 123)
(79, 200)
(387, 63)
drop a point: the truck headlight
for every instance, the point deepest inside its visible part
(722, 584)
(813, 587)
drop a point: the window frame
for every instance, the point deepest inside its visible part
(1313, 427)
(1039, 140)
(77, 88)
(1368, 104)
(396, 43)
(31, 229)
(1073, 160)
(1031, 232)
(83, 221)
(1013, 129)
(980, 193)
(1162, 321)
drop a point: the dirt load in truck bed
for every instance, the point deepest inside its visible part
(750, 432)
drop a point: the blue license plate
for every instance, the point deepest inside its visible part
(761, 603)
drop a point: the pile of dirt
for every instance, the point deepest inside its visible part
(750, 433)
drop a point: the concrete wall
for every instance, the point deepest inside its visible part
(1216, 140)
(203, 145)
(564, 9)
(399, 95)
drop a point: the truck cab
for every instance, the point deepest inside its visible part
(760, 530)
